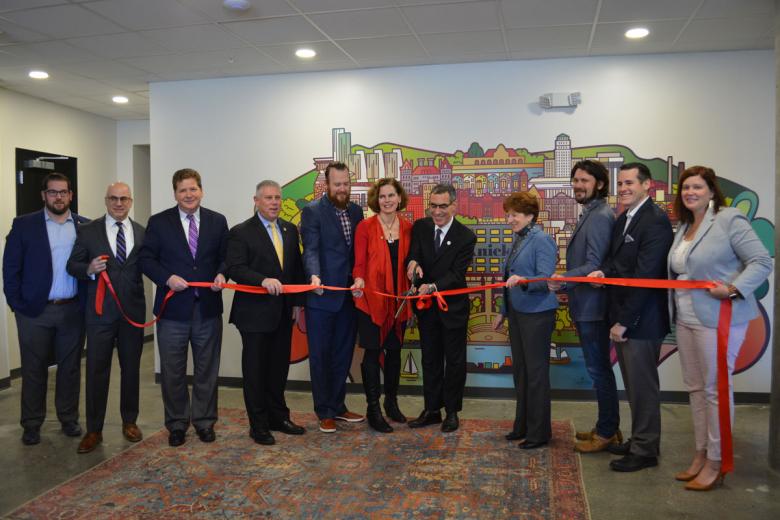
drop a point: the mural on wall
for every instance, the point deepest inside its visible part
(483, 177)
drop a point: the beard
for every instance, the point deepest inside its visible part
(340, 201)
(54, 210)
(582, 197)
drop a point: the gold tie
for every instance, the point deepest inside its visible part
(277, 244)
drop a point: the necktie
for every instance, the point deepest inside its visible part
(437, 241)
(192, 236)
(277, 243)
(628, 221)
(121, 246)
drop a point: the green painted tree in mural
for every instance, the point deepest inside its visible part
(475, 150)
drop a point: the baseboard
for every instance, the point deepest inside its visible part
(5, 383)
(148, 338)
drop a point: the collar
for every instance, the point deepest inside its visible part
(267, 222)
(48, 217)
(592, 203)
(110, 221)
(183, 215)
(526, 230)
(445, 228)
(630, 213)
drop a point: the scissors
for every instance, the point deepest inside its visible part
(407, 293)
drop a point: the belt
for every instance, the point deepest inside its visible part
(62, 301)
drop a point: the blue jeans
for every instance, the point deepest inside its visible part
(594, 340)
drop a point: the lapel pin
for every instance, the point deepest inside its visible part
(449, 243)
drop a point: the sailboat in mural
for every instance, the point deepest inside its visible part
(409, 370)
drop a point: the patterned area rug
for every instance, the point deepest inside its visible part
(355, 473)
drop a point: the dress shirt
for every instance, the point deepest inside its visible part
(112, 229)
(61, 240)
(185, 223)
(444, 229)
(267, 225)
(631, 212)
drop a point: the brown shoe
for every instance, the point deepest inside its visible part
(350, 417)
(90, 442)
(594, 444)
(327, 426)
(132, 432)
(585, 436)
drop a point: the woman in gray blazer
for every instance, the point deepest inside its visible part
(530, 308)
(713, 242)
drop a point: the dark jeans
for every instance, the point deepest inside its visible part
(594, 340)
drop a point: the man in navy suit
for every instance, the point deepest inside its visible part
(183, 244)
(45, 301)
(328, 229)
(639, 318)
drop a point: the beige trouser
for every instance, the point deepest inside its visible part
(698, 347)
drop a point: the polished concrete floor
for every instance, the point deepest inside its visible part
(752, 491)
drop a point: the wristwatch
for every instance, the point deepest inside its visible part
(733, 292)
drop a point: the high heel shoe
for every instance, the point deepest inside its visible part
(695, 486)
(684, 476)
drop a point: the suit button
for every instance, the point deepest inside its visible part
(194, 267)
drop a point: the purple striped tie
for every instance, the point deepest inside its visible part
(192, 237)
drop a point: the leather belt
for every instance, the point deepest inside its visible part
(62, 301)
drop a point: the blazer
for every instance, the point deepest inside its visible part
(640, 253)
(126, 278)
(325, 251)
(588, 246)
(166, 252)
(725, 248)
(447, 268)
(27, 268)
(535, 257)
(250, 259)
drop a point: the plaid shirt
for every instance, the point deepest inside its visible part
(346, 227)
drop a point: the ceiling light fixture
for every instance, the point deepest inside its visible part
(236, 5)
(305, 53)
(120, 100)
(637, 32)
(38, 74)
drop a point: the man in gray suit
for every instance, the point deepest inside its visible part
(587, 248)
(111, 244)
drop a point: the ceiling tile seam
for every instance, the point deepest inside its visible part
(414, 34)
(687, 23)
(502, 28)
(596, 16)
(326, 35)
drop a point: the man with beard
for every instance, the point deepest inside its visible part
(45, 301)
(328, 229)
(111, 243)
(587, 248)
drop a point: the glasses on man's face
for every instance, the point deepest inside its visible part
(114, 200)
(439, 206)
(56, 193)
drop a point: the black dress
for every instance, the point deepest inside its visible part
(368, 331)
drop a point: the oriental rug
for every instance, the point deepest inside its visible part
(354, 473)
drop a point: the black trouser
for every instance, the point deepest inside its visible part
(392, 370)
(443, 363)
(54, 336)
(101, 339)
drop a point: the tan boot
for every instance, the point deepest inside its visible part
(585, 436)
(594, 444)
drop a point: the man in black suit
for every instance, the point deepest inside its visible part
(111, 243)
(187, 243)
(264, 250)
(439, 255)
(639, 318)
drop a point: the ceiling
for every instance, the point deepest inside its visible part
(95, 49)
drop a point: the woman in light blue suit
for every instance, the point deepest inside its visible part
(713, 242)
(530, 309)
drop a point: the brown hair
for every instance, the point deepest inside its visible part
(54, 176)
(334, 165)
(522, 202)
(373, 193)
(708, 174)
(185, 173)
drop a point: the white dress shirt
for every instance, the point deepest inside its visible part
(112, 229)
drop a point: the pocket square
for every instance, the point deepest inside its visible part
(628, 239)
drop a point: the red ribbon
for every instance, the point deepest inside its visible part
(425, 301)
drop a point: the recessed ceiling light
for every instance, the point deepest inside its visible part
(38, 74)
(637, 32)
(305, 53)
(121, 100)
(236, 5)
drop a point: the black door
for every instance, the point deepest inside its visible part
(31, 167)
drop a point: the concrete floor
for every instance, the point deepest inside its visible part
(751, 492)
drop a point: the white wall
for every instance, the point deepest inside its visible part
(711, 108)
(31, 123)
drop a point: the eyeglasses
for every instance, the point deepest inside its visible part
(439, 206)
(123, 200)
(56, 193)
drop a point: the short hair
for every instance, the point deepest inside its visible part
(185, 173)
(596, 170)
(373, 193)
(267, 183)
(522, 202)
(335, 165)
(708, 174)
(54, 176)
(445, 188)
(643, 172)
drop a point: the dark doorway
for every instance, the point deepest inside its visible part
(31, 167)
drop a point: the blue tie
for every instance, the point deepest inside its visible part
(121, 246)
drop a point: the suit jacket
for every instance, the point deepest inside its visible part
(640, 253)
(325, 251)
(27, 268)
(535, 257)
(447, 268)
(92, 241)
(588, 246)
(166, 252)
(724, 248)
(251, 258)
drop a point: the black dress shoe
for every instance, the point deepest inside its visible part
(623, 448)
(531, 445)
(426, 418)
(450, 423)
(31, 436)
(71, 429)
(514, 436)
(207, 435)
(633, 462)
(176, 438)
(262, 437)
(289, 427)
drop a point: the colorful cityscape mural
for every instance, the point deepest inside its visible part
(483, 177)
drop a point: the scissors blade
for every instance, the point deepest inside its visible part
(407, 293)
